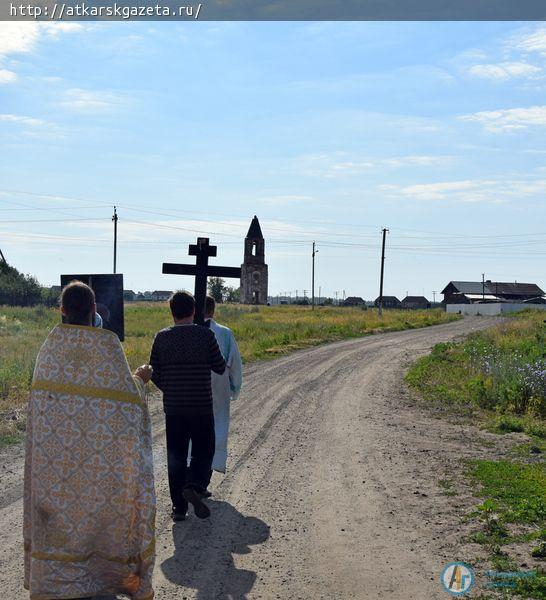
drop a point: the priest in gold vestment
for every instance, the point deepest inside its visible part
(89, 499)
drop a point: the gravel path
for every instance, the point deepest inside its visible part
(332, 490)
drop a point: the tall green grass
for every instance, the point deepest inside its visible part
(502, 369)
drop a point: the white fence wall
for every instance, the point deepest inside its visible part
(495, 308)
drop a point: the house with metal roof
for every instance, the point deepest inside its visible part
(415, 302)
(354, 301)
(161, 295)
(470, 292)
(388, 302)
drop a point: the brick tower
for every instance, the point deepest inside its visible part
(254, 269)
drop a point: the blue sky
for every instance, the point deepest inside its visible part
(326, 131)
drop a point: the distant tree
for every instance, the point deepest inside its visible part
(17, 289)
(217, 288)
(233, 294)
(50, 297)
(328, 301)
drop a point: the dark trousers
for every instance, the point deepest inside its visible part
(180, 430)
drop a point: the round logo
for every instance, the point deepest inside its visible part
(457, 578)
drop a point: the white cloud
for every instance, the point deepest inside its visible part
(511, 119)
(415, 160)
(504, 70)
(54, 30)
(18, 37)
(90, 100)
(531, 42)
(23, 120)
(518, 56)
(437, 191)
(342, 164)
(468, 190)
(7, 76)
(22, 37)
(31, 127)
(472, 54)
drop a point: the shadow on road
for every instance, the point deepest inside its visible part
(203, 557)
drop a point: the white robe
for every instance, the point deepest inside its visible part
(225, 388)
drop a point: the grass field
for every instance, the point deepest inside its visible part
(261, 332)
(499, 377)
(499, 372)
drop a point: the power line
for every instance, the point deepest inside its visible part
(19, 204)
(494, 252)
(46, 208)
(287, 242)
(55, 220)
(144, 209)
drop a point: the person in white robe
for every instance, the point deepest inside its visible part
(225, 387)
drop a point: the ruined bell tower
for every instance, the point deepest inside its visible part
(254, 269)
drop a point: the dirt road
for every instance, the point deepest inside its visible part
(332, 490)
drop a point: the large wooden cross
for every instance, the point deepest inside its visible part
(201, 270)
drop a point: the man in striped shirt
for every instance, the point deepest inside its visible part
(182, 359)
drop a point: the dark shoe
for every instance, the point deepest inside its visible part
(205, 494)
(178, 514)
(193, 497)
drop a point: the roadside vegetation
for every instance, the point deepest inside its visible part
(262, 332)
(498, 377)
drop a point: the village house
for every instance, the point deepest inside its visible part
(389, 302)
(415, 302)
(471, 292)
(353, 301)
(161, 295)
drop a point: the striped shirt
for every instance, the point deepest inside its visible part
(182, 359)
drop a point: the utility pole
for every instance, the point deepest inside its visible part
(384, 230)
(313, 286)
(115, 219)
(434, 296)
(483, 287)
(336, 293)
(319, 293)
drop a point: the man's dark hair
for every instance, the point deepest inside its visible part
(77, 300)
(182, 305)
(210, 305)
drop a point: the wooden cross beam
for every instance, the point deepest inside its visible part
(201, 270)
